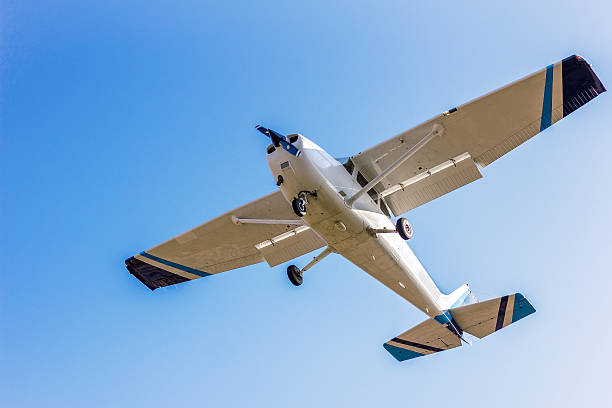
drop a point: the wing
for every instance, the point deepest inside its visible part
(265, 229)
(478, 132)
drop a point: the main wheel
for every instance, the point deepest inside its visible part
(404, 228)
(299, 206)
(295, 275)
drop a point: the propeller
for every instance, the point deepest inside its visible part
(279, 140)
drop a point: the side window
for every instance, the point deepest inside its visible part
(383, 207)
(364, 182)
(361, 180)
(349, 166)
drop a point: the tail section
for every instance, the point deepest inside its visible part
(443, 332)
(482, 319)
(456, 298)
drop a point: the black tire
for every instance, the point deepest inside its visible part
(295, 275)
(404, 228)
(299, 206)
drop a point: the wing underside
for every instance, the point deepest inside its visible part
(484, 130)
(265, 229)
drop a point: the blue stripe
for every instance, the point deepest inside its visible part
(175, 265)
(444, 318)
(547, 102)
(401, 354)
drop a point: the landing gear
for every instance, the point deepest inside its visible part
(404, 228)
(299, 203)
(299, 206)
(295, 275)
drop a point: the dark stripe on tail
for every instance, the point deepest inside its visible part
(422, 346)
(501, 313)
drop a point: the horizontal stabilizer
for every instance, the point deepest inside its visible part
(439, 333)
(427, 338)
(484, 318)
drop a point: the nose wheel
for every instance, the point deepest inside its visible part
(299, 206)
(299, 203)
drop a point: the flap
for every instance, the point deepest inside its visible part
(290, 245)
(429, 185)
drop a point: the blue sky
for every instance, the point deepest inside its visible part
(123, 124)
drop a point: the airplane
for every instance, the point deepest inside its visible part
(347, 206)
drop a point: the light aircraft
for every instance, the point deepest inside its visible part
(347, 206)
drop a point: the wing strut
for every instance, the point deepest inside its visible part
(237, 221)
(435, 131)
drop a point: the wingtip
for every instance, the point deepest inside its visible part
(401, 354)
(150, 275)
(522, 307)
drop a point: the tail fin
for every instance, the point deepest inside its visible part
(456, 298)
(439, 334)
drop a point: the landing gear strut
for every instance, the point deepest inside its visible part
(295, 274)
(404, 228)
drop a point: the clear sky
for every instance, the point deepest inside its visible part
(124, 124)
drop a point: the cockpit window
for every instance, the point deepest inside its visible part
(293, 138)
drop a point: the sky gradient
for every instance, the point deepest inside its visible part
(123, 124)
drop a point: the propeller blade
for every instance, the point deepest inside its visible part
(279, 140)
(274, 136)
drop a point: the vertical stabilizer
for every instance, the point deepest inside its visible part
(457, 298)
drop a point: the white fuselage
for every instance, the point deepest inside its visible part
(347, 230)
